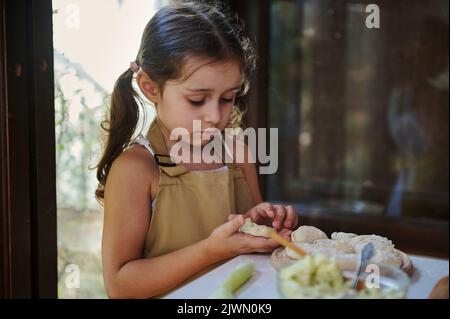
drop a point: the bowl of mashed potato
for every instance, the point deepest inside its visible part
(319, 277)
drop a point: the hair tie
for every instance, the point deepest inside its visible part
(135, 67)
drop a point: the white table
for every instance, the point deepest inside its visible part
(262, 285)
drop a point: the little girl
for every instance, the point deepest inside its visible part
(166, 221)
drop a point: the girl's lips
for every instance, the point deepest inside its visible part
(211, 130)
(204, 137)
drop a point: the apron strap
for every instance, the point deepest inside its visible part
(164, 161)
(227, 156)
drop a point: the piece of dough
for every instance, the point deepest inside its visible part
(339, 245)
(378, 242)
(256, 230)
(307, 234)
(387, 257)
(344, 247)
(327, 243)
(341, 235)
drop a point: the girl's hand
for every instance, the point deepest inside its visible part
(277, 216)
(226, 241)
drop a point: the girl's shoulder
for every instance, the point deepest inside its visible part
(137, 154)
(136, 165)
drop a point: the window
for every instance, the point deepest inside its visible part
(94, 42)
(362, 113)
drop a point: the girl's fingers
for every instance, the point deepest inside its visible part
(265, 210)
(280, 214)
(291, 218)
(257, 244)
(231, 216)
(286, 233)
(233, 225)
(260, 210)
(264, 245)
(252, 214)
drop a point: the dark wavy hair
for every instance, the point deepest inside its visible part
(175, 33)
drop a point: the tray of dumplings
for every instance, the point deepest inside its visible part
(343, 247)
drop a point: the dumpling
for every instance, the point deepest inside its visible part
(256, 230)
(340, 245)
(387, 257)
(378, 242)
(341, 235)
(344, 246)
(307, 234)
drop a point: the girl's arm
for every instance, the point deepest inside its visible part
(126, 221)
(126, 273)
(144, 278)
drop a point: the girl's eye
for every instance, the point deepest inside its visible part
(197, 103)
(227, 101)
(200, 103)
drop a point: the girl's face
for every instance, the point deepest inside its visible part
(207, 95)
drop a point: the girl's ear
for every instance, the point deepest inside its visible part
(149, 87)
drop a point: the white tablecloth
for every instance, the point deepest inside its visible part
(263, 282)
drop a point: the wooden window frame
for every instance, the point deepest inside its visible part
(28, 262)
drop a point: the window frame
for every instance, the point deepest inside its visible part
(28, 185)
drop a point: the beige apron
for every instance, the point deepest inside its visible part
(190, 205)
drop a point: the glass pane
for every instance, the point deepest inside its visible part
(362, 112)
(94, 42)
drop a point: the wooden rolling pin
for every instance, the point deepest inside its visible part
(440, 290)
(287, 244)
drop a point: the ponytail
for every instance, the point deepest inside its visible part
(120, 126)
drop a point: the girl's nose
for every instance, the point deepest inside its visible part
(212, 113)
